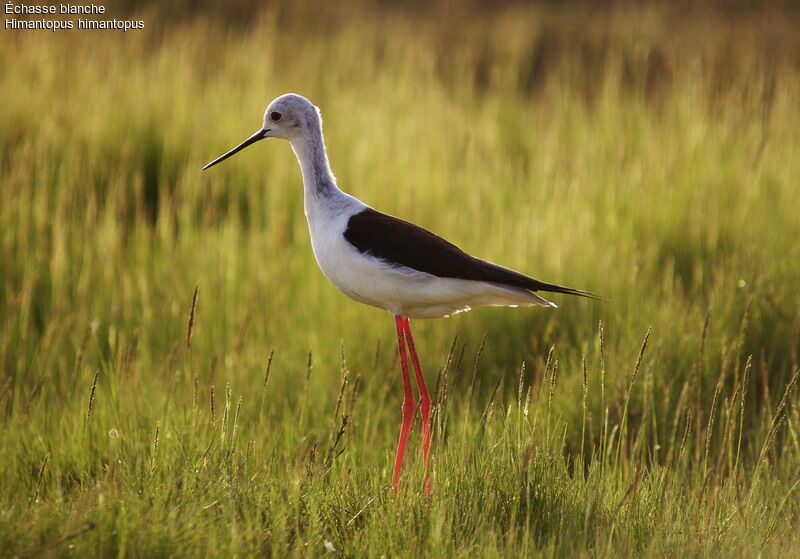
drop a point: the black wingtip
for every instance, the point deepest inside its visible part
(553, 288)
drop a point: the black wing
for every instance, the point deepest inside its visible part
(401, 243)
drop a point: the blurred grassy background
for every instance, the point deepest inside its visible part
(645, 152)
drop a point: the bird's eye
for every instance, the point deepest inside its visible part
(275, 115)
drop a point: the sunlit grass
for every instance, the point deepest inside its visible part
(657, 170)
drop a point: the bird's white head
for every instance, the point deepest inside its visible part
(290, 116)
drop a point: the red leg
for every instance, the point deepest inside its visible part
(424, 404)
(408, 402)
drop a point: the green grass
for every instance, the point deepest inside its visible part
(648, 156)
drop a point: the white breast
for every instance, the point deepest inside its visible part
(341, 263)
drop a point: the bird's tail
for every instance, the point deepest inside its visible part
(506, 276)
(553, 288)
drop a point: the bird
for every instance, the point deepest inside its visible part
(386, 262)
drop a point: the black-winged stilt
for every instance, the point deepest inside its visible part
(386, 262)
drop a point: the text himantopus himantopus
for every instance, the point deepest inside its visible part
(386, 262)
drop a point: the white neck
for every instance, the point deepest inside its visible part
(318, 180)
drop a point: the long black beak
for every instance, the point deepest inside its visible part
(260, 135)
